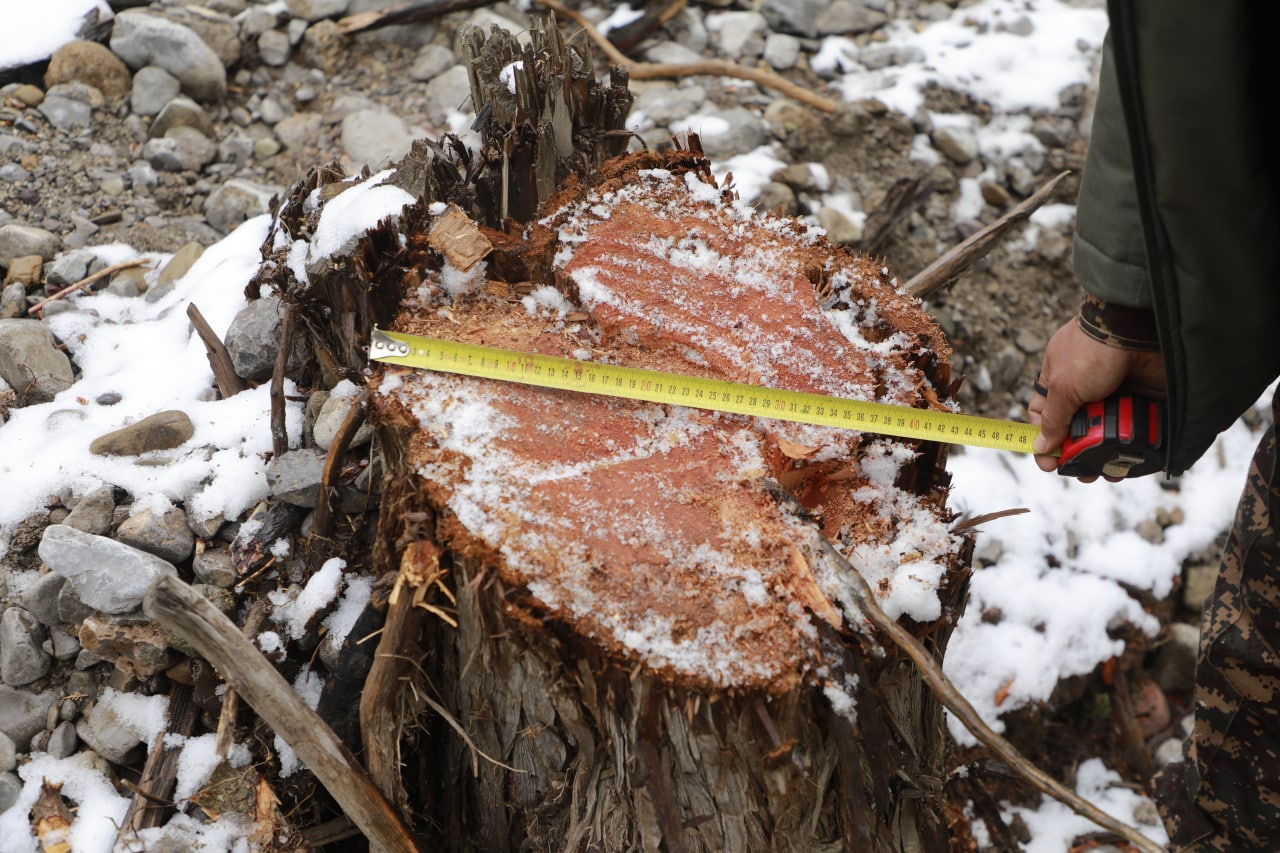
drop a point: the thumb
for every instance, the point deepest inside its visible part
(1060, 406)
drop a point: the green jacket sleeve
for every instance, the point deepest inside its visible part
(1109, 255)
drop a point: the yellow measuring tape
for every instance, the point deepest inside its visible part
(548, 371)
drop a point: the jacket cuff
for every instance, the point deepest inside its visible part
(1118, 325)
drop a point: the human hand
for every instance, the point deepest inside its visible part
(1078, 369)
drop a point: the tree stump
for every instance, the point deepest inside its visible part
(614, 627)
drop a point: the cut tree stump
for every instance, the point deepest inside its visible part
(622, 630)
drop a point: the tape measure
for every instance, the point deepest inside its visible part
(654, 386)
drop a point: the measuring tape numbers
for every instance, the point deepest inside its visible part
(548, 371)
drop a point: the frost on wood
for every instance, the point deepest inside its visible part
(682, 540)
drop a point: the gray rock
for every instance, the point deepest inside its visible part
(8, 753)
(781, 51)
(314, 10)
(1198, 580)
(776, 195)
(235, 201)
(218, 30)
(63, 741)
(182, 112)
(30, 363)
(153, 87)
(274, 48)
(664, 102)
(256, 21)
(846, 17)
(739, 34)
(447, 92)
(22, 660)
(107, 575)
(236, 148)
(164, 534)
(40, 598)
(215, 568)
(295, 476)
(142, 39)
(1006, 368)
(70, 267)
(299, 130)
(959, 144)
(10, 790)
(253, 339)
(670, 52)
(13, 173)
(329, 421)
(726, 132)
(182, 149)
(180, 264)
(18, 241)
(93, 512)
(71, 610)
(798, 17)
(66, 114)
(13, 302)
(430, 62)
(143, 177)
(61, 645)
(375, 137)
(76, 91)
(161, 431)
(273, 110)
(840, 227)
(22, 714)
(1174, 667)
(108, 735)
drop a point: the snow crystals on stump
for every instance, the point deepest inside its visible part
(681, 539)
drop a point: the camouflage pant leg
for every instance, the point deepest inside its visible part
(1226, 795)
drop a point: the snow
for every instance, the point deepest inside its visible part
(33, 31)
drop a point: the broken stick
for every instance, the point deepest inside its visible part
(88, 280)
(191, 616)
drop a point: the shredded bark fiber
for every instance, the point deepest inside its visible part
(658, 531)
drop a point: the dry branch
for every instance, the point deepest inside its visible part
(191, 616)
(413, 12)
(224, 372)
(88, 280)
(279, 433)
(949, 696)
(151, 804)
(333, 462)
(963, 255)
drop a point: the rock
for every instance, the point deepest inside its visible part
(447, 92)
(215, 568)
(8, 753)
(671, 53)
(776, 195)
(40, 598)
(143, 177)
(219, 31)
(1006, 368)
(180, 264)
(134, 645)
(738, 34)
(781, 51)
(10, 790)
(1198, 580)
(840, 227)
(22, 714)
(1150, 530)
(30, 363)
(958, 144)
(375, 138)
(1174, 667)
(12, 173)
(274, 48)
(299, 130)
(266, 147)
(799, 17)
(725, 132)
(1169, 751)
(22, 660)
(108, 735)
(141, 39)
(28, 95)
(256, 21)
(17, 241)
(93, 512)
(845, 17)
(295, 476)
(71, 610)
(665, 103)
(70, 267)
(182, 149)
(430, 62)
(235, 201)
(182, 112)
(107, 575)
(153, 87)
(164, 534)
(161, 431)
(314, 10)
(92, 63)
(253, 339)
(13, 303)
(323, 46)
(61, 645)
(63, 741)
(26, 269)
(330, 419)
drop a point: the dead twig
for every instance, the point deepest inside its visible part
(224, 371)
(88, 280)
(627, 37)
(414, 12)
(279, 432)
(191, 616)
(333, 462)
(954, 702)
(964, 254)
(718, 67)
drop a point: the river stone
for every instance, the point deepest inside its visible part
(314, 10)
(22, 660)
(236, 201)
(845, 17)
(959, 144)
(1174, 668)
(181, 149)
(329, 421)
(92, 514)
(63, 741)
(274, 48)
(182, 112)
(215, 568)
(8, 753)
(253, 339)
(70, 267)
(66, 114)
(431, 61)
(180, 264)
(92, 63)
(107, 575)
(40, 598)
(153, 87)
(108, 735)
(141, 39)
(161, 431)
(24, 270)
(30, 363)
(299, 130)
(13, 303)
(164, 534)
(376, 137)
(17, 241)
(294, 477)
(22, 714)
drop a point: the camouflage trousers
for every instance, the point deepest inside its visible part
(1225, 796)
